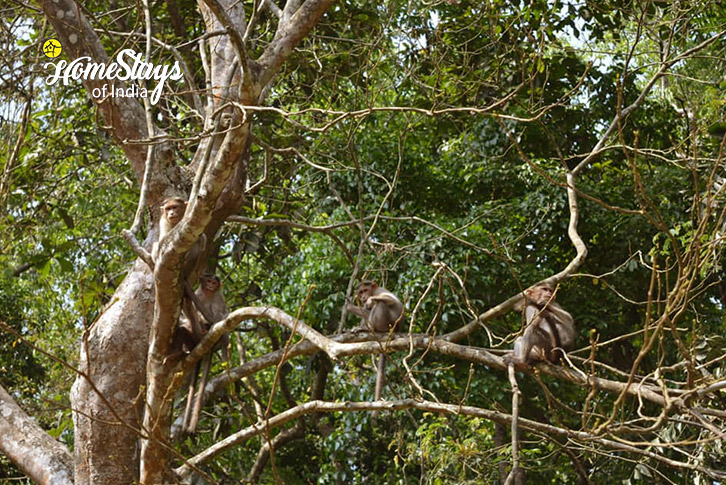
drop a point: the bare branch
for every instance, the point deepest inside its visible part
(124, 115)
(142, 253)
(369, 343)
(192, 88)
(286, 223)
(665, 66)
(148, 166)
(449, 409)
(270, 5)
(329, 346)
(234, 34)
(514, 478)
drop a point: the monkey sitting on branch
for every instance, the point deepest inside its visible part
(211, 298)
(381, 311)
(549, 329)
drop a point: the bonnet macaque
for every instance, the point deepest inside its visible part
(211, 298)
(381, 311)
(549, 329)
(189, 331)
(172, 211)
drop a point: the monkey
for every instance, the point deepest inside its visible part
(172, 211)
(189, 331)
(381, 311)
(211, 298)
(549, 330)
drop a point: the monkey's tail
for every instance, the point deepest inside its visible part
(380, 380)
(199, 396)
(190, 400)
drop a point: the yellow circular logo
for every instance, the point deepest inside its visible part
(52, 48)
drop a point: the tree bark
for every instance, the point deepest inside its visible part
(113, 357)
(27, 445)
(125, 349)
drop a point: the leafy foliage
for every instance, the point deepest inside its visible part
(453, 194)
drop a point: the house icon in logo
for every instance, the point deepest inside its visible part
(52, 48)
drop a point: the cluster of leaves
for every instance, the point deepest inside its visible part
(462, 173)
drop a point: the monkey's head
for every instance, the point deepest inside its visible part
(365, 290)
(172, 209)
(210, 283)
(540, 295)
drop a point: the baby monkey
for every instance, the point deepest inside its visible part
(549, 331)
(211, 298)
(381, 311)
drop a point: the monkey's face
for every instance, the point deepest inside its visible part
(173, 211)
(210, 284)
(540, 295)
(365, 291)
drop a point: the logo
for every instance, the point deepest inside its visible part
(52, 48)
(128, 67)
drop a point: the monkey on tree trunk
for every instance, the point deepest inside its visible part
(549, 330)
(189, 331)
(381, 311)
(211, 298)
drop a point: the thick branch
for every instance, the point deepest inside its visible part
(329, 346)
(289, 34)
(27, 445)
(124, 116)
(375, 344)
(234, 34)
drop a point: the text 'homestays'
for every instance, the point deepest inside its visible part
(127, 67)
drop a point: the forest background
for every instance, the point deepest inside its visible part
(457, 152)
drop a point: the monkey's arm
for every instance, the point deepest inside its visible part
(533, 315)
(564, 326)
(561, 314)
(363, 313)
(387, 298)
(358, 311)
(195, 326)
(525, 348)
(224, 309)
(524, 343)
(189, 293)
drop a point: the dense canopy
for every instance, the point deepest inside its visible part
(456, 152)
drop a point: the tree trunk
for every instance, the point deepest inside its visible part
(108, 400)
(125, 378)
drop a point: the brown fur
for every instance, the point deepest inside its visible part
(210, 296)
(381, 311)
(549, 330)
